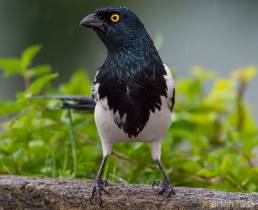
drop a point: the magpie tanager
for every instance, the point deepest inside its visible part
(133, 90)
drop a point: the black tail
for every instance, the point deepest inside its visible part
(83, 103)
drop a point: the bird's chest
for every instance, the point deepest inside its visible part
(154, 129)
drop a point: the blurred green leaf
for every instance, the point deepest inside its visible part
(79, 84)
(38, 85)
(202, 74)
(245, 74)
(28, 55)
(10, 66)
(39, 71)
(7, 107)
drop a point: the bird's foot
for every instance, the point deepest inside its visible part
(164, 186)
(98, 189)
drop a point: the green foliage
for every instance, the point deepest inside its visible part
(212, 142)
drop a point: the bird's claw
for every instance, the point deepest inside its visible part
(164, 186)
(105, 183)
(98, 189)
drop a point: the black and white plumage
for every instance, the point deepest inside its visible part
(134, 112)
(134, 92)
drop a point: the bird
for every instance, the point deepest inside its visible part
(133, 93)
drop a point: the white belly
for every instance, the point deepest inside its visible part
(154, 130)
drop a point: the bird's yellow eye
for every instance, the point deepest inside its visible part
(115, 18)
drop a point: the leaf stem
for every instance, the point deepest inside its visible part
(240, 106)
(72, 142)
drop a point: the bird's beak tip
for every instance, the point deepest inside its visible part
(84, 22)
(91, 21)
(81, 23)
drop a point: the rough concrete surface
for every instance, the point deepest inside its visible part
(30, 193)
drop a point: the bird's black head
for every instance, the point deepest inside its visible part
(118, 27)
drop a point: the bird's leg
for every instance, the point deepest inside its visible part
(165, 185)
(100, 185)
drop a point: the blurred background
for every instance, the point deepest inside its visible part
(218, 35)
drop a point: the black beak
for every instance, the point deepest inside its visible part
(92, 21)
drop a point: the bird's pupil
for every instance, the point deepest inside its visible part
(115, 17)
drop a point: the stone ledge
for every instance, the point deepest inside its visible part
(37, 193)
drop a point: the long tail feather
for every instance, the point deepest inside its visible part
(82, 103)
